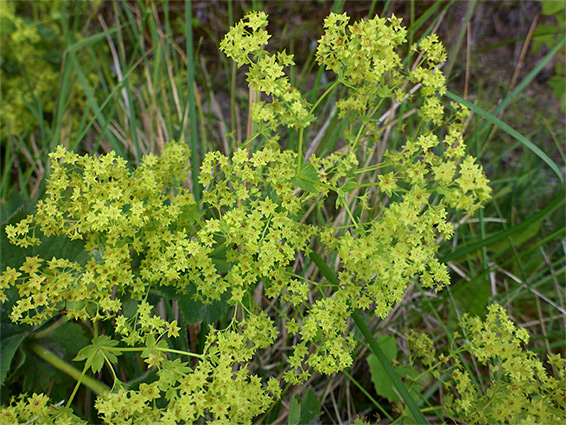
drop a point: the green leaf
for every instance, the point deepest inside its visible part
(306, 410)
(38, 375)
(294, 411)
(384, 91)
(552, 7)
(85, 353)
(54, 246)
(104, 340)
(96, 354)
(8, 348)
(479, 243)
(110, 357)
(92, 39)
(310, 408)
(70, 337)
(195, 311)
(384, 385)
(95, 362)
(172, 372)
(556, 83)
(15, 204)
(381, 381)
(190, 214)
(475, 305)
(306, 178)
(350, 184)
(516, 240)
(340, 198)
(11, 337)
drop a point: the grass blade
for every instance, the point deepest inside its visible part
(453, 54)
(509, 130)
(93, 39)
(473, 246)
(191, 100)
(524, 84)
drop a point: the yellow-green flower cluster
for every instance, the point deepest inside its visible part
(37, 409)
(124, 218)
(365, 56)
(244, 43)
(218, 388)
(421, 346)
(142, 230)
(256, 204)
(381, 256)
(143, 325)
(326, 329)
(428, 73)
(521, 391)
(363, 53)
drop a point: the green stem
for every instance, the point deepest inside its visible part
(165, 350)
(374, 345)
(47, 330)
(97, 386)
(77, 385)
(183, 353)
(109, 363)
(300, 149)
(302, 129)
(386, 363)
(328, 90)
(368, 395)
(350, 214)
(363, 126)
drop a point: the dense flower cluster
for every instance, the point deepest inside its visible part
(365, 56)
(143, 231)
(128, 225)
(37, 409)
(521, 391)
(266, 75)
(212, 389)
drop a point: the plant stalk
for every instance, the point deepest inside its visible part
(97, 386)
(374, 345)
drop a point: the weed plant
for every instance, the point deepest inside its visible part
(257, 271)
